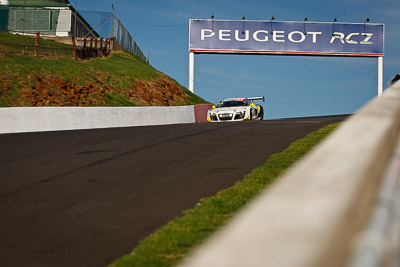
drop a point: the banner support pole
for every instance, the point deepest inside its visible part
(191, 72)
(380, 75)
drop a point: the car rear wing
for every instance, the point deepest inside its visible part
(257, 98)
(393, 79)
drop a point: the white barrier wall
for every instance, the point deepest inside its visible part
(317, 213)
(37, 119)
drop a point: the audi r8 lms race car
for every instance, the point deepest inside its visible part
(236, 109)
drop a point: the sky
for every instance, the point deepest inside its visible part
(293, 86)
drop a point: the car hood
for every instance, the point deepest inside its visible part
(228, 109)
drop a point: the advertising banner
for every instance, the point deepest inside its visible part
(286, 38)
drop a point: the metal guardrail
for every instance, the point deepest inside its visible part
(318, 213)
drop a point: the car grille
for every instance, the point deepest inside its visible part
(225, 116)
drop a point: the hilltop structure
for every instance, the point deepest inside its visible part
(50, 17)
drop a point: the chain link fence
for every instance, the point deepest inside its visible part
(100, 21)
(123, 37)
(109, 26)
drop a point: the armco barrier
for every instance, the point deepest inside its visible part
(317, 213)
(37, 119)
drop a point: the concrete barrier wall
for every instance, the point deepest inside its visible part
(200, 112)
(36, 119)
(317, 212)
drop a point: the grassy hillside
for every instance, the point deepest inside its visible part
(121, 79)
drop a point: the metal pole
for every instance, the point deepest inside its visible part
(23, 27)
(113, 21)
(380, 76)
(191, 72)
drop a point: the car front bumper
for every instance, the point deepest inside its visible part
(228, 116)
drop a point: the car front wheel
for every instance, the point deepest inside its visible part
(261, 113)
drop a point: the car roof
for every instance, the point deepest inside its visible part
(234, 99)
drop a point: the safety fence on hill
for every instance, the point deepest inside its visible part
(125, 40)
(109, 25)
(66, 47)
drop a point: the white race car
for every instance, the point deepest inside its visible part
(236, 109)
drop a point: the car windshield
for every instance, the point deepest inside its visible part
(231, 104)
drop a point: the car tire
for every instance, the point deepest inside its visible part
(261, 116)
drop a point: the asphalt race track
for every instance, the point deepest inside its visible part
(85, 198)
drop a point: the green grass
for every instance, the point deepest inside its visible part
(25, 44)
(175, 240)
(114, 76)
(117, 100)
(125, 65)
(120, 69)
(194, 99)
(116, 72)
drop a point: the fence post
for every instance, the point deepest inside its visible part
(96, 51)
(101, 44)
(37, 44)
(74, 48)
(91, 48)
(84, 48)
